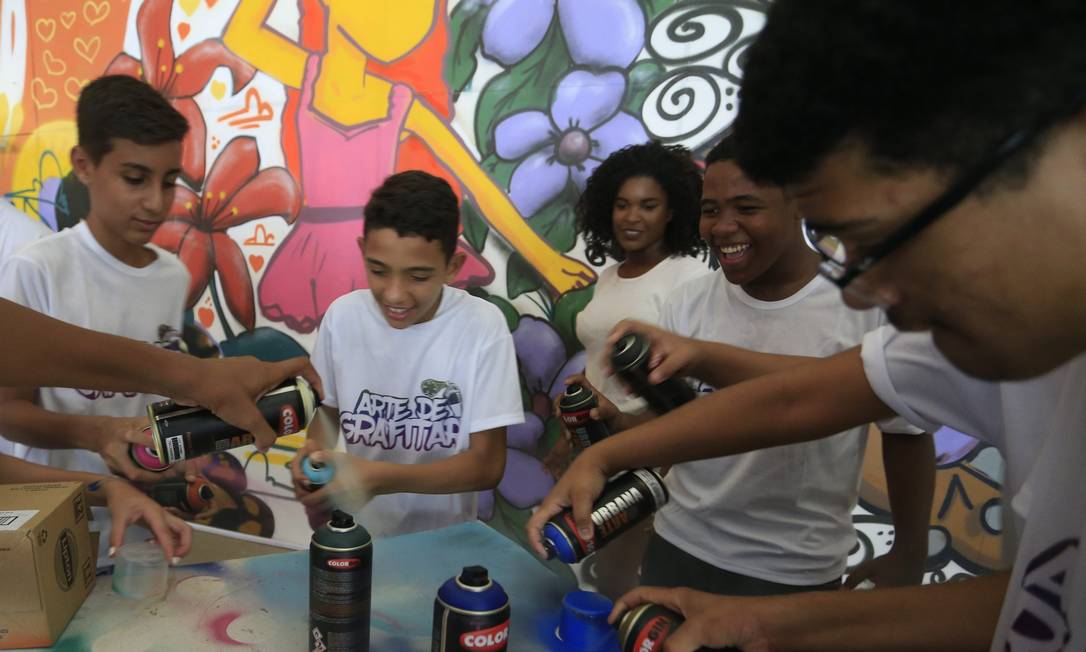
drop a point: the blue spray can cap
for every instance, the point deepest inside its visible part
(318, 473)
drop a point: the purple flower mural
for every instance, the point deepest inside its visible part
(583, 126)
(514, 28)
(543, 365)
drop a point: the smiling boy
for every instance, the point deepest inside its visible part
(419, 376)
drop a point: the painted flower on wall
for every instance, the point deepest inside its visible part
(236, 191)
(179, 78)
(582, 128)
(543, 363)
(514, 28)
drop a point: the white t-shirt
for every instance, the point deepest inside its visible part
(909, 374)
(414, 395)
(1040, 426)
(615, 299)
(782, 514)
(1045, 607)
(16, 229)
(70, 277)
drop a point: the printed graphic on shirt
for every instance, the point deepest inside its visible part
(428, 420)
(1041, 623)
(167, 337)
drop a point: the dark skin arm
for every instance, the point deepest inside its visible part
(39, 351)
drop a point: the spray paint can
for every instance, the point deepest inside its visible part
(471, 614)
(575, 405)
(193, 497)
(627, 499)
(630, 360)
(645, 628)
(317, 474)
(340, 576)
(145, 457)
(182, 433)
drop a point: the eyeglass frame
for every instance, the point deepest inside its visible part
(841, 274)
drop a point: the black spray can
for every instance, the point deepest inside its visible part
(340, 575)
(471, 614)
(630, 360)
(645, 628)
(575, 405)
(193, 497)
(182, 433)
(628, 499)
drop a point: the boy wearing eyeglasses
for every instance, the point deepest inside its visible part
(778, 520)
(950, 176)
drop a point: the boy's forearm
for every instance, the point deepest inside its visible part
(909, 462)
(958, 616)
(29, 424)
(721, 365)
(802, 403)
(460, 473)
(40, 351)
(16, 471)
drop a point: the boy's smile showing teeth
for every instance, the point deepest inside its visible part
(733, 253)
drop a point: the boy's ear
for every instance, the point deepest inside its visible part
(452, 269)
(362, 243)
(81, 164)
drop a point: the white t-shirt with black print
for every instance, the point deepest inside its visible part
(415, 395)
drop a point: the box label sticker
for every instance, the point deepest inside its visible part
(13, 519)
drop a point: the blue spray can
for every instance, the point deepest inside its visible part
(471, 614)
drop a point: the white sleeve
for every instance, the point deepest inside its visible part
(322, 357)
(496, 400)
(916, 381)
(24, 282)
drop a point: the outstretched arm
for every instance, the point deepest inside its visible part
(802, 403)
(39, 351)
(958, 616)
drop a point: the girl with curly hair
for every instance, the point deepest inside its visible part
(640, 208)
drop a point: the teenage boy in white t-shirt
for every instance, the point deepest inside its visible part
(105, 275)
(777, 520)
(420, 377)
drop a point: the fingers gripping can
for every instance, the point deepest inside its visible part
(182, 433)
(471, 614)
(627, 499)
(340, 576)
(645, 628)
(630, 360)
(576, 404)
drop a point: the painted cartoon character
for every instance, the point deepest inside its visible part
(350, 123)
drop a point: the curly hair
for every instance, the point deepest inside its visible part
(916, 84)
(673, 168)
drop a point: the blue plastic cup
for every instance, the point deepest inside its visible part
(583, 626)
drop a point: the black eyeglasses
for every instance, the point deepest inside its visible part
(835, 266)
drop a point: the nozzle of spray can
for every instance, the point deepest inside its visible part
(630, 360)
(317, 474)
(192, 497)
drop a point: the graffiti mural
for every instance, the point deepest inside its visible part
(299, 108)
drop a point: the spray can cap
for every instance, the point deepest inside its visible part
(628, 351)
(341, 520)
(474, 576)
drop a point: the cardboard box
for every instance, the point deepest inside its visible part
(47, 561)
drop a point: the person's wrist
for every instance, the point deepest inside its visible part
(182, 380)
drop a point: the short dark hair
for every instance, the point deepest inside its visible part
(119, 106)
(723, 151)
(415, 203)
(672, 167)
(916, 84)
